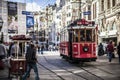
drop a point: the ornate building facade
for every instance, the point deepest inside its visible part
(109, 21)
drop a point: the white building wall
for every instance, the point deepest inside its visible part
(21, 19)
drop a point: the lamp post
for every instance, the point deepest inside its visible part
(1, 24)
(118, 22)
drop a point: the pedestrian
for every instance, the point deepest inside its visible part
(110, 50)
(42, 48)
(31, 61)
(3, 53)
(100, 50)
(15, 50)
(9, 50)
(118, 51)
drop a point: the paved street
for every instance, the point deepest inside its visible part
(52, 67)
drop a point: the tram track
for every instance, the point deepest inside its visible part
(100, 69)
(76, 74)
(49, 70)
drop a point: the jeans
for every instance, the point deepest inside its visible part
(41, 51)
(110, 56)
(29, 67)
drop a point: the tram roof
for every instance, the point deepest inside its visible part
(81, 27)
(82, 23)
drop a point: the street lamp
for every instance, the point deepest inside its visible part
(1, 23)
(118, 22)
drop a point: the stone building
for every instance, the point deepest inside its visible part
(109, 20)
(10, 11)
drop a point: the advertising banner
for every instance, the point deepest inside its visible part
(12, 17)
(30, 23)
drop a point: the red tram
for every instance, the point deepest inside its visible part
(78, 41)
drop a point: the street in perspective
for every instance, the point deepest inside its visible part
(59, 39)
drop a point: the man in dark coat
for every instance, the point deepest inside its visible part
(31, 61)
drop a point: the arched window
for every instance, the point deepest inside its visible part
(108, 27)
(113, 3)
(102, 5)
(114, 26)
(108, 4)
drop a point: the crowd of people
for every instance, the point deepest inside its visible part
(109, 49)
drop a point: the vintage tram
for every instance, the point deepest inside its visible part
(78, 41)
(18, 62)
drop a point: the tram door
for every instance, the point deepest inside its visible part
(70, 34)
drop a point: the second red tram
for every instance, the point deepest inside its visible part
(78, 41)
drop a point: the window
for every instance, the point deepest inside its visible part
(102, 5)
(113, 3)
(108, 27)
(76, 35)
(82, 35)
(89, 9)
(114, 26)
(86, 35)
(108, 4)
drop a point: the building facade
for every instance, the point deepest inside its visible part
(14, 20)
(109, 21)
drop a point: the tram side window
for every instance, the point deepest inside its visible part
(93, 36)
(88, 35)
(82, 35)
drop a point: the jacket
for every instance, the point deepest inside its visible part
(3, 51)
(31, 55)
(110, 48)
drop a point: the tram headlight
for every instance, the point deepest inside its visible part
(85, 49)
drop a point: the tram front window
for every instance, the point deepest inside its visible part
(82, 35)
(85, 35)
(88, 35)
